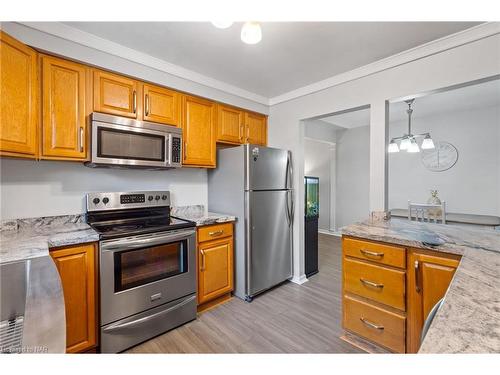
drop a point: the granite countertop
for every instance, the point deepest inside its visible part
(468, 320)
(31, 238)
(200, 216)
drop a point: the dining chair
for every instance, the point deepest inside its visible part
(425, 212)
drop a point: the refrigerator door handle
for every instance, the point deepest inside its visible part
(287, 209)
(292, 208)
(289, 171)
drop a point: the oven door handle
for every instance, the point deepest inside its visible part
(138, 322)
(130, 243)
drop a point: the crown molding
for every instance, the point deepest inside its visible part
(83, 38)
(460, 38)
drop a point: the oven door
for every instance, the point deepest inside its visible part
(145, 271)
(121, 145)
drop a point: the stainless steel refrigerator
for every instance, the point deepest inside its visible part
(254, 183)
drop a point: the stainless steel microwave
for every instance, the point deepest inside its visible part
(122, 142)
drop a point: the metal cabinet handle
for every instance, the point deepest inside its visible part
(81, 139)
(134, 99)
(371, 283)
(241, 132)
(202, 260)
(417, 276)
(147, 105)
(371, 324)
(216, 233)
(371, 253)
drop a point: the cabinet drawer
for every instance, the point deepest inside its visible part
(380, 284)
(374, 323)
(375, 252)
(214, 232)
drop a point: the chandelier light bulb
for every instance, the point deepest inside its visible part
(427, 143)
(393, 147)
(413, 147)
(251, 33)
(405, 143)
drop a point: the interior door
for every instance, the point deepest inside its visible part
(269, 247)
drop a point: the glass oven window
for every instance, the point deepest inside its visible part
(142, 266)
(121, 144)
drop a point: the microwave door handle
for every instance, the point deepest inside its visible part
(168, 150)
(131, 243)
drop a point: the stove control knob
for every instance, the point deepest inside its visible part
(105, 200)
(96, 200)
(150, 198)
(157, 197)
(164, 197)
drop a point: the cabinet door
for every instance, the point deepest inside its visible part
(64, 96)
(429, 276)
(215, 262)
(198, 132)
(19, 112)
(256, 127)
(230, 124)
(115, 94)
(161, 105)
(76, 266)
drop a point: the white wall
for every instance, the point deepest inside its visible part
(450, 66)
(353, 175)
(30, 188)
(472, 185)
(318, 159)
(320, 130)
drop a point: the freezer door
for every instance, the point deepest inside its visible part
(269, 241)
(267, 168)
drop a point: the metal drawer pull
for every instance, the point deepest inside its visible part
(371, 325)
(371, 253)
(216, 233)
(417, 276)
(371, 283)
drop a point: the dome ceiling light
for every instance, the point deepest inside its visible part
(251, 32)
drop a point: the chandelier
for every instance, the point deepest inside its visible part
(408, 142)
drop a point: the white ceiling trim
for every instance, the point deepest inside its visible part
(439, 45)
(92, 41)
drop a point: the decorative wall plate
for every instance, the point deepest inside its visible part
(441, 158)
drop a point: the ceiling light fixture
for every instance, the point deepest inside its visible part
(222, 24)
(409, 141)
(251, 33)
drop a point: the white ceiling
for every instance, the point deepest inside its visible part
(290, 55)
(481, 95)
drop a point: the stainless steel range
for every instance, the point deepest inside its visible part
(147, 266)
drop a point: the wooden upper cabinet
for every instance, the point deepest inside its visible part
(77, 269)
(429, 275)
(19, 111)
(161, 105)
(198, 131)
(230, 125)
(65, 97)
(116, 94)
(256, 128)
(215, 276)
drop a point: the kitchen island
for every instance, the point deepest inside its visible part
(468, 321)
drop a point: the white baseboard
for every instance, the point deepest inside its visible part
(330, 233)
(299, 280)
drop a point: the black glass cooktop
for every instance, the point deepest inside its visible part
(132, 222)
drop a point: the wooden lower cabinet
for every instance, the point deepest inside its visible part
(386, 298)
(215, 263)
(429, 275)
(77, 269)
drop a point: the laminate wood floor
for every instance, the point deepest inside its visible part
(290, 318)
